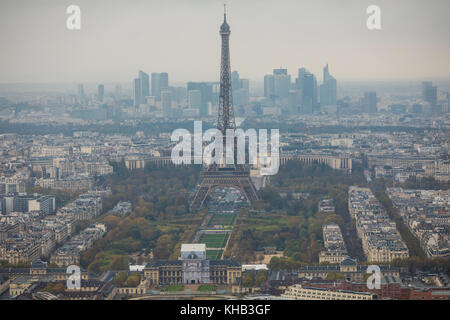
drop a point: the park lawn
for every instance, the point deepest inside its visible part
(175, 288)
(214, 254)
(222, 219)
(207, 287)
(217, 240)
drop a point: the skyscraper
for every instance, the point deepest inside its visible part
(243, 94)
(163, 81)
(100, 92)
(160, 82)
(268, 86)
(145, 85)
(328, 89)
(277, 85)
(235, 81)
(137, 93)
(280, 72)
(206, 94)
(299, 80)
(240, 90)
(294, 101)
(166, 103)
(370, 102)
(80, 93)
(194, 99)
(281, 83)
(309, 92)
(429, 93)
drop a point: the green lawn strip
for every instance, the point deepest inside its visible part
(207, 287)
(175, 288)
(214, 254)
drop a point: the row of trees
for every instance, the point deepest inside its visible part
(160, 218)
(296, 225)
(378, 188)
(251, 280)
(123, 279)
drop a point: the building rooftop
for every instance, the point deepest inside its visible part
(187, 247)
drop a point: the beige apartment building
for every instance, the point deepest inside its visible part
(299, 292)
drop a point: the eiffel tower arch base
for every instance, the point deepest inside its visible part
(217, 179)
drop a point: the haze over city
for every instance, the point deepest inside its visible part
(119, 37)
(195, 150)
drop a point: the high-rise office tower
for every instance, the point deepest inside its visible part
(309, 92)
(160, 82)
(240, 90)
(194, 99)
(328, 89)
(137, 93)
(243, 92)
(281, 83)
(429, 93)
(370, 102)
(80, 93)
(299, 80)
(145, 85)
(163, 81)
(206, 94)
(245, 84)
(294, 101)
(280, 72)
(166, 103)
(235, 80)
(178, 94)
(100, 92)
(268, 86)
(277, 85)
(156, 91)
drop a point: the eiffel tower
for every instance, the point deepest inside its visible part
(219, 176)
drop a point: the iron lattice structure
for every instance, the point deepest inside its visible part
(215, 176)
(225, 119)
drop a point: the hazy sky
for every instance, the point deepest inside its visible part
(119, 37)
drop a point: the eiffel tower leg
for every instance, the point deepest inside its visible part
(200, 196)
(249, 191)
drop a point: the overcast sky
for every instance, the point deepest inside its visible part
(119, 37)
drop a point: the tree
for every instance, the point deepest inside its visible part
(261, 277)
(120, 279)
(54, 288)
(249, 279)
(119, 263)
(133, 280)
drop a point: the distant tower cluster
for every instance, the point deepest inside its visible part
(302, 95)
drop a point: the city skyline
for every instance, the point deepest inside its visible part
(110, 45)
(105, 194)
